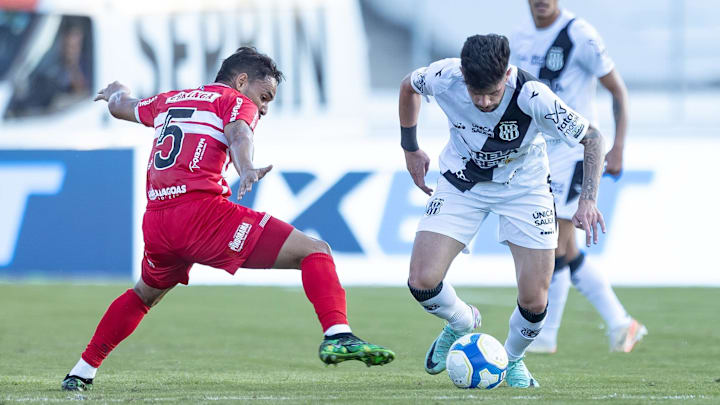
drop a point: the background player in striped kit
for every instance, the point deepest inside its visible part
(568, 55)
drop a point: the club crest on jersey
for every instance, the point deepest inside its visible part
(433, 207)
(508, 130)
(554, 59)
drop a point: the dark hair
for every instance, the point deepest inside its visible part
(248, 60)
(484, 60)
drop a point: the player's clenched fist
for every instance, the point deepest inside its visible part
(587, 218)
(418, 164)
(111, 89)
(250, 176)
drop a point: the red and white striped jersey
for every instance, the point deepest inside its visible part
(190, 151)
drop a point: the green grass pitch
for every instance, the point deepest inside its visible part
(259, 344)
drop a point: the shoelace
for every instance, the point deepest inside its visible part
(443, 347)
(520, 366)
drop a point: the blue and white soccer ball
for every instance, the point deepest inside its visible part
(477, 360)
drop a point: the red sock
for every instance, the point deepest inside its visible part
(119, 321)
(323, 289)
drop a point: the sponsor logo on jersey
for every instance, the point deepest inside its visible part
(241, 234)
(255, 120)
(148, 101)
(419, 82)
(236, 109)
(555, 116)
(489, 160)
(166, 192)
(459, 125)
(530, 333)
(554, 59)
(198, 156)
(195, 95)
(479, 129)
(433, 206)
(508, 130)
(570, 126)
(544, 217)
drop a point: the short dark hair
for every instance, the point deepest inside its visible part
(248, 60)
(484, 59)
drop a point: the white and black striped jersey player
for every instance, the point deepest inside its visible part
(568, 56)
(495, 161)
(495, 157)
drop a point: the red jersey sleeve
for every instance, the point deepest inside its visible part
(238, 107)
(146, 111)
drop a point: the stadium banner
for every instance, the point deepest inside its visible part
(66, 213)
(357, 195)
(74, 213)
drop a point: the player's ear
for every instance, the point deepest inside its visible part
(241, 81)
(507, 74)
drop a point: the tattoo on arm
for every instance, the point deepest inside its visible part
(592, 164)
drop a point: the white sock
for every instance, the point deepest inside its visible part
(447, 305)
(339, 328)
(522, 332)
(557, 297)
(83, 369)
(594, 285)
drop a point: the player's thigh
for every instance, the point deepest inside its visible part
(567, 244)
(228, 236)
(431, 257)
(297, 247)
(566, 176)
(451, 220)
(528, 220)
(161, 267)
(533, 269)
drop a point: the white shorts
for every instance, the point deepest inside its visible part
(526, 218)
(566, 175)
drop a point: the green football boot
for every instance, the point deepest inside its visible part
(438, 351)
(346, 346)
(518, 376)
(75, 383)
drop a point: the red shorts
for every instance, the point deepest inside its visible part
(211, 231)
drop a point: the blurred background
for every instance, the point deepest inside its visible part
(72, 180)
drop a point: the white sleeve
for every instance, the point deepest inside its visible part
(431, 80)
(552, 116)
(591, 52)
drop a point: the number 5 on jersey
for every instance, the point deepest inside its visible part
(173, 132)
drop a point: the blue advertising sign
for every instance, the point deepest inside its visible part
(66, 213)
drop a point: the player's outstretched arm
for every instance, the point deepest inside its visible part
(240, 141)
(120, 103)
(588, 216)
(615, 85)
(417, 161)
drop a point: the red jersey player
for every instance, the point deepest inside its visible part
(198, 132)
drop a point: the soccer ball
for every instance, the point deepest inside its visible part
(477, 360)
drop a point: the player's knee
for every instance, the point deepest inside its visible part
(320, 246)
(313, 246)
(535, 304)
(422, 280)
